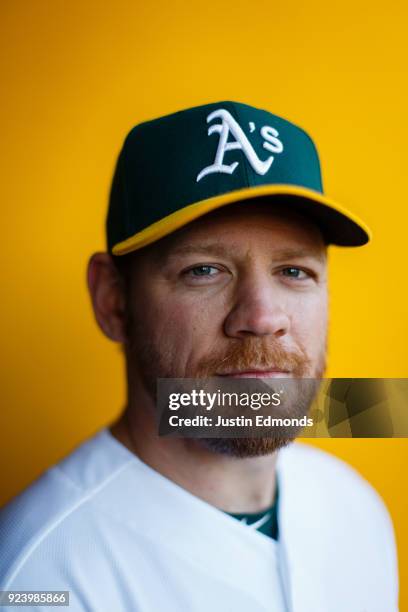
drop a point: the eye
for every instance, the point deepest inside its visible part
(296, 273)
(202, 274)
(202, 271)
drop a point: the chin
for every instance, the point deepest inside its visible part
(242, 448)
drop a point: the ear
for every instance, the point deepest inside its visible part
(107, 294)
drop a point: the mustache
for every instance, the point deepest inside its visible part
(255, 353)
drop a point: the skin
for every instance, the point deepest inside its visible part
(237, 291)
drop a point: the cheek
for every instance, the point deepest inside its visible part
(195, 321)
(309, 324)
(183, 329)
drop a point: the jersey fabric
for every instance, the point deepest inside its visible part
(120, 536)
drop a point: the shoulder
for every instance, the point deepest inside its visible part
(327, 472)
(58, 503)
(339, 503)
(331, 480)
(330, 517)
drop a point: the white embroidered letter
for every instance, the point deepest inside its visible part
(229, 125)
(270, 134)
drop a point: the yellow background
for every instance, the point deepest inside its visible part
(76, 76)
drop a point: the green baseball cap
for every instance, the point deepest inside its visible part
(176, 168)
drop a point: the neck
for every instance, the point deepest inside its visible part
(228, 483)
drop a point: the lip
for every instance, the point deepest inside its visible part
(272, 373)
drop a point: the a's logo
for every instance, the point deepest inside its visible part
(229, 125)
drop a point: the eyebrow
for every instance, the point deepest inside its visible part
(220, 250)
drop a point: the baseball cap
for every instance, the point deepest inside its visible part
(176, 168)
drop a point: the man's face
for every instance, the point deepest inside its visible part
(241, 291)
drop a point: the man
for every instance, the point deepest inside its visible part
(216, 266)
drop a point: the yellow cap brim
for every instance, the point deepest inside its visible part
(338, 225)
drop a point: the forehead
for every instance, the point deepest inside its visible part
(243, 226)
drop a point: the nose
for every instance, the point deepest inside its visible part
(259, 309)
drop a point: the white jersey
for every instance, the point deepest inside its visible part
(120, 537)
